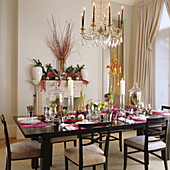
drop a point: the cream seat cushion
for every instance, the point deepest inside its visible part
(24, 150)
(63, 139)
(92, 154)
(139, 142)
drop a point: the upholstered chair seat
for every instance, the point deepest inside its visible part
(92, 154)
(139, 142)
(21, 150)
(88, 154)
(25, 150)
(154, 140)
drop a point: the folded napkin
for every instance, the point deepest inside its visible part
(70, 127)
(126, 120)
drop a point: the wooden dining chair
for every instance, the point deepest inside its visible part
(88, 154)
(20, 150)
(114, 138)
(165, 107)
(149, 143)
(112, 132)
(63, 139)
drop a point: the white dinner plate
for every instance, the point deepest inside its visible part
(29, 121)
(139, 118)
(166, 114)
(78, 123)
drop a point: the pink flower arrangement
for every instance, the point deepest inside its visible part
(30, 108)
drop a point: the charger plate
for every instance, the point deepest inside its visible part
(29, 121)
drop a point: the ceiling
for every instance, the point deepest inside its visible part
(127, 2)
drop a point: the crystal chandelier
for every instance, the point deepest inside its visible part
(102, 32)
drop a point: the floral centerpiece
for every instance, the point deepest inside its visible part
(81, 105)
(30, 110)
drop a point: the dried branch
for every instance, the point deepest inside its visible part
(61, 44)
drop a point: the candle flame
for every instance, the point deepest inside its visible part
(118, 13)
(84, 8)
(93, 4)
(122, 7)
(109, 4)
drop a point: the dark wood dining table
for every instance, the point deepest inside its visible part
(50, 131)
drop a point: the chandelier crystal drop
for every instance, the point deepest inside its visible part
(102, 31)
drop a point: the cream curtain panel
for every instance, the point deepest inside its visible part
(148, 26)
(167, 2)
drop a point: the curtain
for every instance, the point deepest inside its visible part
(167, 2)
(148, 26)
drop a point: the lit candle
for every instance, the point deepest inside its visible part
(70, 87)
(120, 67)
(122, 86)
(118, 19)
(83, 16)
(122, 15)
(108, 68)
(109, 14)
(82, 20)
(93, 12)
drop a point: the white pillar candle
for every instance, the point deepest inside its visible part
(70, 88)
(122, 87)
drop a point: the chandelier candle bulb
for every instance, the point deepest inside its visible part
(109, 15)
(122, 87)
(122, 15)
(118, 19)
(70, 88)
(93, 12)
(82, 20)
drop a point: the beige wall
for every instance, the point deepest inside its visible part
(8, 61)
(31, 18)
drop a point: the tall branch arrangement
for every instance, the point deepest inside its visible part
(60, 42)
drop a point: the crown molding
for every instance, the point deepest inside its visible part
(127, 2)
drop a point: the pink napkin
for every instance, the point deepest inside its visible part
(41, 124)
(157, 113)
(139, 121)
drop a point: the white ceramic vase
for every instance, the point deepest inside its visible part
(37, 73)
(85, 74)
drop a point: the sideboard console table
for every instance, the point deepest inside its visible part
(61, 86)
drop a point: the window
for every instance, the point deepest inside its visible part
(162, 62)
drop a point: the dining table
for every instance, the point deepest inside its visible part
(51, 130)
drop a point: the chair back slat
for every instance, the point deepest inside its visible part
(165, 107)
(93, 129)
(6, 136)
(156, 127)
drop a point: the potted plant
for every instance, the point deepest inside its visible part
(37, 70)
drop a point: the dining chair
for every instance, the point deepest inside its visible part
(165, 107)
(64, 139)
(113, 138)
(148, 143)
(88, 154)
(112, 132)
(20, 150)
